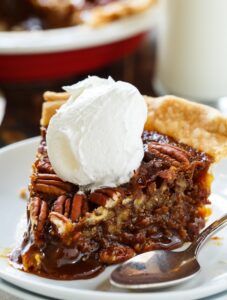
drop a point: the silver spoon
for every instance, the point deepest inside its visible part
(162, 268)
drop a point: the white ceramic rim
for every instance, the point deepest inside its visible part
(17, 292)
(2, 106)
(76, 37)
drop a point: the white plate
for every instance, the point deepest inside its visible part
(76, 37)
(25, 295)
(15, 162)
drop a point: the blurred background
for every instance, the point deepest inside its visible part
(24, 100)
(40, 50)
(166, 46)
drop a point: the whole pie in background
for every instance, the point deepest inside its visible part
(40, 14)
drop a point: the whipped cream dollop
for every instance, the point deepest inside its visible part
(95, 137)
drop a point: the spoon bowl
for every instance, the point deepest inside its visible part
(163, 268)
(155, 269)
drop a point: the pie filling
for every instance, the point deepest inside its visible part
(74, 235)
(37, 14)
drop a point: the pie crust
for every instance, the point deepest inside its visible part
(196, 125)
(104, 14)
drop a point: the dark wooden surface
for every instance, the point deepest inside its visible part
(24, 101)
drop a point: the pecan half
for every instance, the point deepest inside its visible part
(77, 204)
(44, 166)
(63, 225)
(71, 208)
(98, 198)
(101, 196)
(42, 217)
(47, 176)
(50, 184)
(59, 204)
(67, 206)
(38, 210)
(177, 156)
(48, 189)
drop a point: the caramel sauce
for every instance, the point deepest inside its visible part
(62, 268)
(61, 263)
(205, 212)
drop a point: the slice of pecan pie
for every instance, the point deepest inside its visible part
(73, 235)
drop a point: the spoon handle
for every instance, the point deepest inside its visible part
(207, 233)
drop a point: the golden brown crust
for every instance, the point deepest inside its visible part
(196, 125)
(49, 109)
(104, 14)
(53, 96)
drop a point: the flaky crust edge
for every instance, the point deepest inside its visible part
(200, 126)
(101, 15)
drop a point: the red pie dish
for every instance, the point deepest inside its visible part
(58, 53)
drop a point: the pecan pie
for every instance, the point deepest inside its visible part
(38, 14)
(73, 235)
